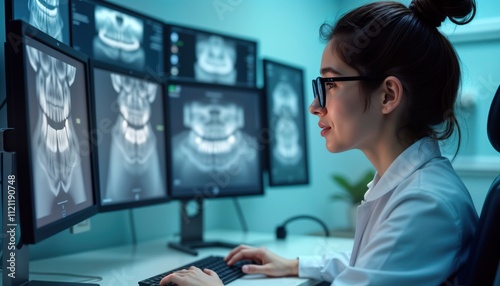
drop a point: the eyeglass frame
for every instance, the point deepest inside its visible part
(323, 80)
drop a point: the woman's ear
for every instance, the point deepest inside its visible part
(392, 94)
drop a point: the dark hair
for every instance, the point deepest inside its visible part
(389, 39)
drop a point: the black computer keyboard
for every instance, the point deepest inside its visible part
(216, 263)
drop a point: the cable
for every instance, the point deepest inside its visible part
(2, 104)
(281, 231)
(240, 215)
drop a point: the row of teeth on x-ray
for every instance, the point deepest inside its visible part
(56, 140)
(215, 146)
(44, 14)
(135, 136)
(118, 30)
(136, 145)
(59, 154)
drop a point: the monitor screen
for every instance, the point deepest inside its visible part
(129, 114)
(48, 109)
(203, 56)
(51, 17)
(215, 148)
(287, 150)
(117, 36)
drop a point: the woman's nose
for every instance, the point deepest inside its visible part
(315, 108)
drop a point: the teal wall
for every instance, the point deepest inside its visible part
(286, 31)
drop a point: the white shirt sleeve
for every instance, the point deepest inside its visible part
(324, 268)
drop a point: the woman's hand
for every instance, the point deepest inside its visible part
(267, 262)
(193, 277)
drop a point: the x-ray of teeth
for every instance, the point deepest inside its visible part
(215, 133)
(215, 60)
(46, 16)
(134, 171)
(286, 146)
(55, 146)
(213, 142)
(118, 37)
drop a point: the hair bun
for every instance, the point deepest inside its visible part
(434, 12)
(428, 11)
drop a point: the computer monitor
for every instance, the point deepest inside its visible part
(204, 56)
(48, 108)
(115, 35)
(131, 145)
(215, 148)
(287, 161)
(51, 17)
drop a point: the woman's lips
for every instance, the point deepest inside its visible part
(324, 129)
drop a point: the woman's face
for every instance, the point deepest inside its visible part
(343, 121)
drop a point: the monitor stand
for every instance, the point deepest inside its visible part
(192, 229)
(15, 258)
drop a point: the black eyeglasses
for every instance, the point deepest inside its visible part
(319, 89)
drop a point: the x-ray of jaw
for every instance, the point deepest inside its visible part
(215, 60)
(119, 37)
(55, 144)
(214, 142)
(134, 166)
(286, 149)
(215, 132)
(45, 15)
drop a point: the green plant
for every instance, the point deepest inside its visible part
(353, 192)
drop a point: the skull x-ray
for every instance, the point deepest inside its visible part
(212, 140)
(286, 122)
(61, 175)
(131, 158)
(208, 57)
(119, 37)
(286, 148)
(215, 60)
(50, 16)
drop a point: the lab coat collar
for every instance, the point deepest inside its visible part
(405, 164)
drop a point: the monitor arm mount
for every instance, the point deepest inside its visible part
(192, 229)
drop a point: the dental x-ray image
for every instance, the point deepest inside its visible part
(49, 16)
(62, 176)
(214, 140)
(287, 158)
(119, 37)
(203, 56)
(131, 150)
(116, 36)
(215, 60)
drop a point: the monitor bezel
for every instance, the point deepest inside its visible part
(269, 153)
(124, 10)
(161, 81)
(167, 44)
(19, 33)
(260, 150)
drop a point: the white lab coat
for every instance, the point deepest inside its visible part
(413, 228)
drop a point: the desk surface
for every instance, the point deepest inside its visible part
(126, 265)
